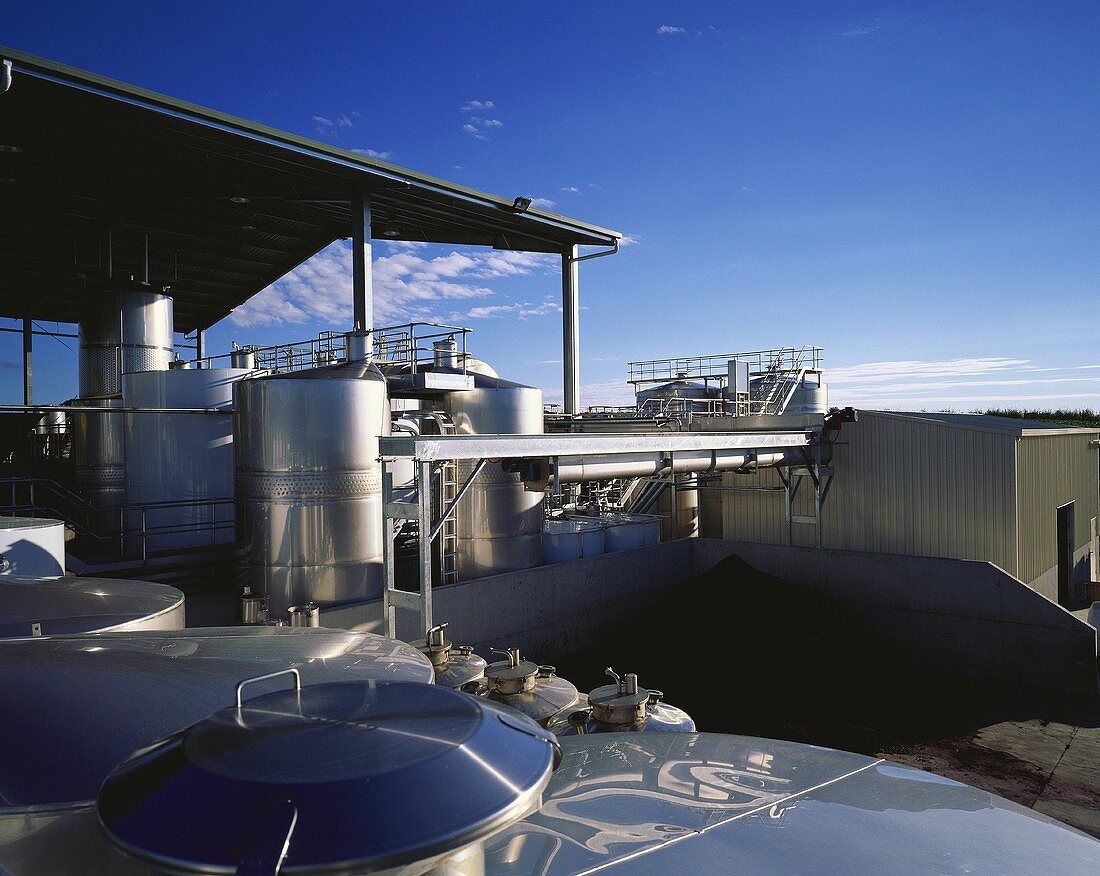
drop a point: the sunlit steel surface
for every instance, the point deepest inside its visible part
(33, 547)
(499, 524)
(99, 452)
(32, 607)
(309, 489)
(705, 803)
(125, 331)
(362, 777)
(93, 700)
(179, 457)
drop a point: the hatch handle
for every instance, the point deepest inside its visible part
(291, 671)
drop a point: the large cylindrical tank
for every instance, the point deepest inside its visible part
(125, 331)
(676, 397)
(499, 523)
(309, 484)
(176, 457)
(98, 450)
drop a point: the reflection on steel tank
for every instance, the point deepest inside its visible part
(499, 523)
(309, 491)
(180, 457)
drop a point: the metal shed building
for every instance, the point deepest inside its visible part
(967, 486)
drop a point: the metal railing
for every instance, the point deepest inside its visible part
(27, 500)
(716, 367)
(408, 344)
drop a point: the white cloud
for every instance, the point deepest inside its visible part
(407, 286)
(571, 189)
(477, 106)
(518, 310)
(970, 383)
(666, 29)
(374, 153)
(477, 126)
(544, 203)
(321, 120)
(862, 30)
(613, 392)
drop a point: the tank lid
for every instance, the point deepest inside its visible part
(623, 702)
(329, 776)
(511, 675)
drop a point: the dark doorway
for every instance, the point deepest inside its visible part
(1066, 542)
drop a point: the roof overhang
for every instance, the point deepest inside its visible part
(94, 152)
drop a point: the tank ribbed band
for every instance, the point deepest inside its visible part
(261, 486)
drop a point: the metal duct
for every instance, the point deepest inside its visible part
(577, 469)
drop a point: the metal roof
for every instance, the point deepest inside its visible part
(989, 423)
(85, 151)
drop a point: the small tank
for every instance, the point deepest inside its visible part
(622, 707)
(535, 690)
(455, 665)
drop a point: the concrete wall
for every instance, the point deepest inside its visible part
(964, 614)
(546, 611)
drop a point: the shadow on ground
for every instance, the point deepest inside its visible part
(744, 652)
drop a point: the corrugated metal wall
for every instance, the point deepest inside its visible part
(902, 486)
(1052, 471)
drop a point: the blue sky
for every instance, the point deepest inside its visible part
(915, 188)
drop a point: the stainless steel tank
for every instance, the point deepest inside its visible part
(309, 491)
(622, 707)
(33, 607)
(676, 396)
(124, 331)
(535, 690)
(174, 457)
(99, 698)
(499, 523)
(99, 454)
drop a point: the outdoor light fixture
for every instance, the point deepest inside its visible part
(248, 228)
(240, 199)
(9, 149)
(521, 204)
(391, 229)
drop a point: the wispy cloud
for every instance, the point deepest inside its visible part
(862, 30)
(374, 153)
(473, 106)
(407, 285)
(544, 203)
(668, 29)
(327, 127)
(611, 392)
(570, 189)
(972, 383)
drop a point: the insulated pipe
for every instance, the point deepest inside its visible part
(362, 286)
(577, 469)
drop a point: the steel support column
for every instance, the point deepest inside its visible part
(28, 380)
(362, 284)
(571, 339)
(424, 487)
(200, 345)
